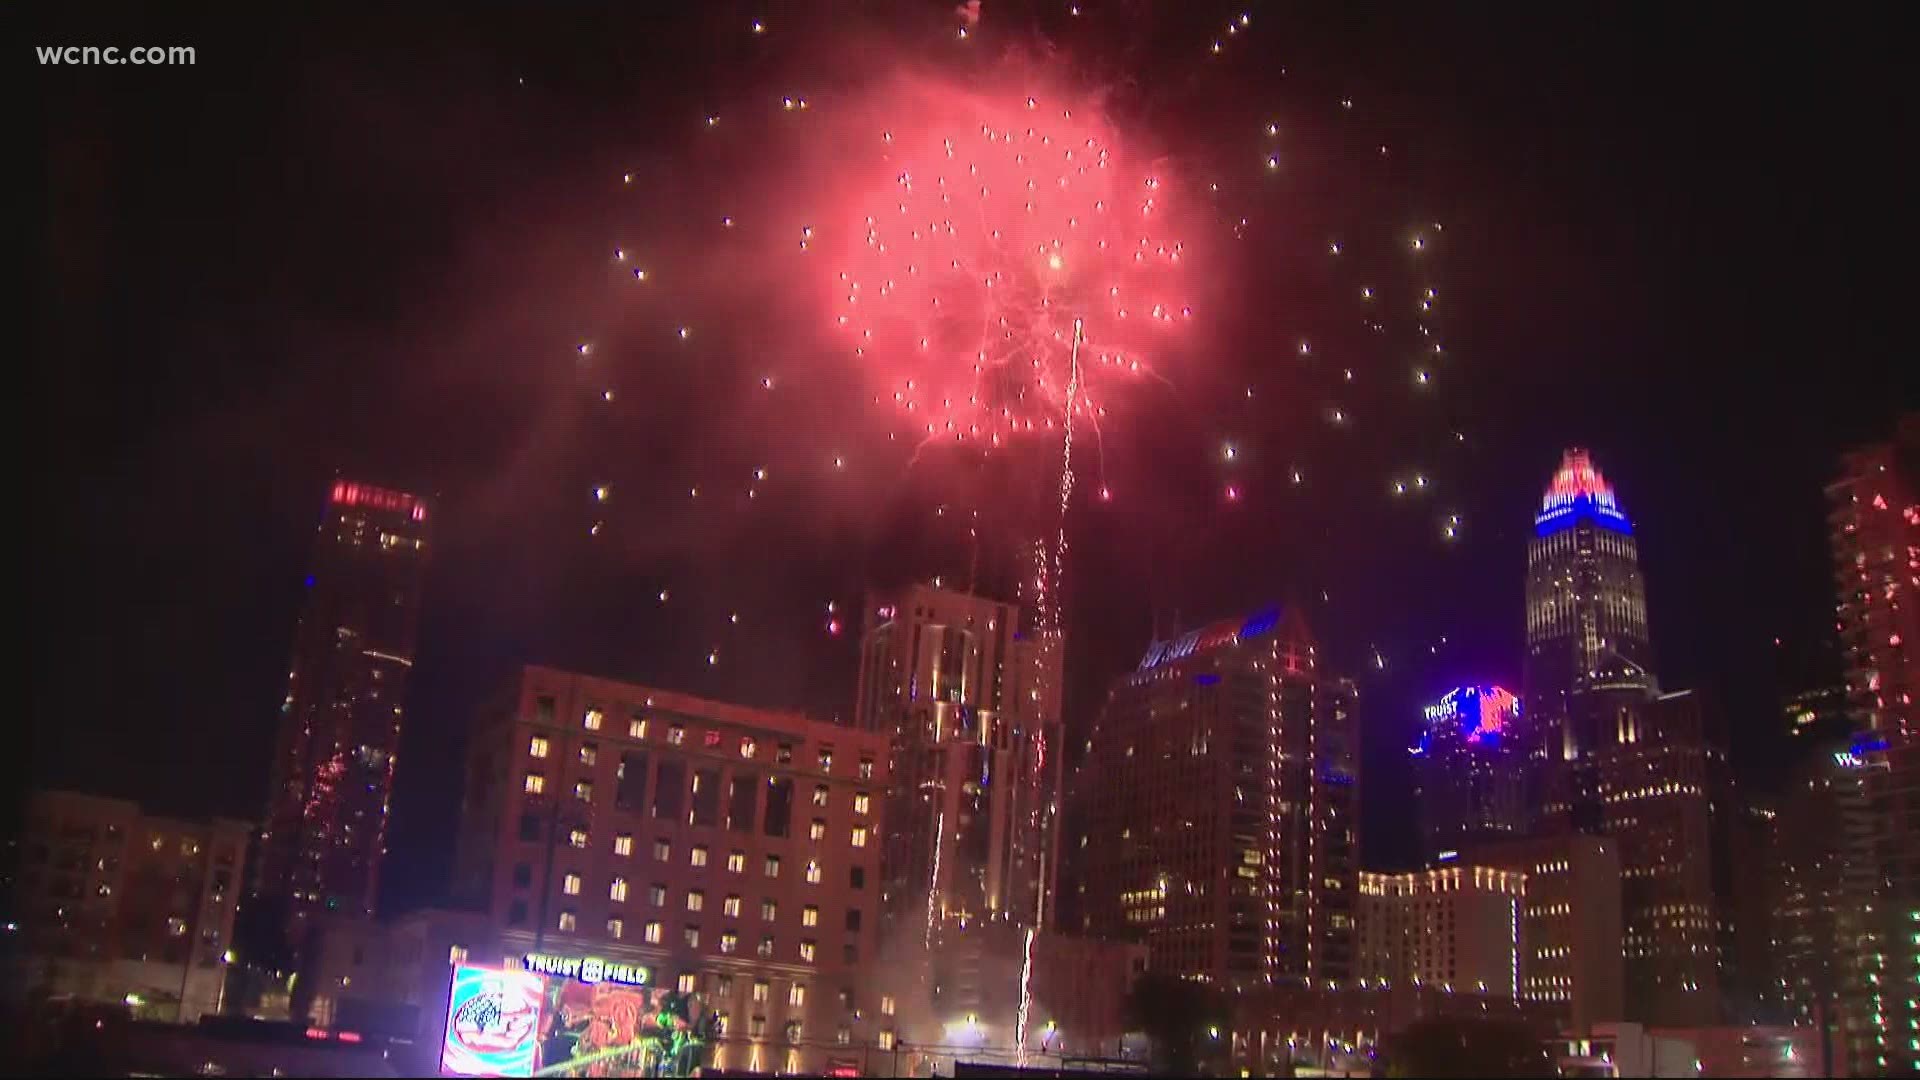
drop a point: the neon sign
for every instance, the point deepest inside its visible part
(1483, 712)
(587, 969)
(493, 1022)
(1578, 492)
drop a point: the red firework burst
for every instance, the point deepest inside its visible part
(990, 225)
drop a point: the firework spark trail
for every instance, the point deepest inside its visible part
(1026, 1002)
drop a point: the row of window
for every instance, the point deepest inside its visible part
(595, 718)
(654, 932)
(736, 862)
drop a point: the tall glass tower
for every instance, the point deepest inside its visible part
(1589, 658)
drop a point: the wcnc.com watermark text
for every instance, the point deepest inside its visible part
(85, 55)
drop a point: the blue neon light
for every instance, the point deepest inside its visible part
(1581, 508)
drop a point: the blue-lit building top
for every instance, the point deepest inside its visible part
(1579, 493)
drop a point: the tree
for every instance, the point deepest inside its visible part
(1186, 1021)
(1447, 1047)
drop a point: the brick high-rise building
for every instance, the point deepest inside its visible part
(1217, 809)
(115, 905)
(339, 727)
(721, 849)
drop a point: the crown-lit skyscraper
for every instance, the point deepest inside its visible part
(339, 730)
(1588, 650)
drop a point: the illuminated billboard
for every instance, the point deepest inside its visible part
(493, 1023)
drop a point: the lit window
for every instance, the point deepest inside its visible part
(657, 895)
(676, 734)
(859, 836)
(766, 946)
(886, 1005)
(860, 803)
(536, 783)
(820, 795)
(793, 1031)
(616, 928)
(687, 981)
(618, 890)
(737, 862)
(813, 871)
(773, 866)
(747, 748)
(768, 910)
(730, 907)
(759, 991)
(583, 790)
(592, 720)
(699, 855)
(691, 935)
(653, 933)
(589, 754)
(623, 844)
(662, 851)
(886, 1040)
(570, 884)
(797, 995)
(809, 916)
(578, 838)
(866, 768)
(818, 830)
(568, 921)
(783, 755)
(537, 747)
(806, 951)
(729, 942)
(826, 761)
(696, 900)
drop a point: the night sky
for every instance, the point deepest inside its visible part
(368, 246)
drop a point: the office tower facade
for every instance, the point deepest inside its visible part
(1570, 923)
(724, 850)
(1453, 926)
(1663, 785)
(1874, 530)
(968, 697)
(1469, 770)
(1217, 809)
(1588, 648)
(339, 730)
(117, 906)
(1823, 863)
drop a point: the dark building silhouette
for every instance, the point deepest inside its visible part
(1469, 770)
(339, 729)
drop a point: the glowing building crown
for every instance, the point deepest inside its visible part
(1579, 491)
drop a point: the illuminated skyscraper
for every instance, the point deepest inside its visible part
(333, 763)
(1588, 649)
(1874, 528)
(968, 696)
(1469, 770)
(1217, 810)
